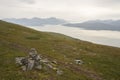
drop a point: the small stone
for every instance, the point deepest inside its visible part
(24, 68)
(18, 60)
(32, 52)
(54, 62)
(39, 67)
(78, 61)
(44, 60)
(54, 68)
(50, 66)
(59, 72)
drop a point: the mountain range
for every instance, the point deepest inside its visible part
(36, 21)
(113, 25)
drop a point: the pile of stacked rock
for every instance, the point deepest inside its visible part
(35, 61)
(31, 61)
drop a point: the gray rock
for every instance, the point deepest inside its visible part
(44, 60)
(24, 68)
(32, 53)
(59, 72)
(50, 66)
(54, 62)
(18, 60)
(30, 64)
(78, 61)
(39, 67)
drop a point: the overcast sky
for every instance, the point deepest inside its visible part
(73, 10)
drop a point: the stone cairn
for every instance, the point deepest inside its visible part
(35, 61)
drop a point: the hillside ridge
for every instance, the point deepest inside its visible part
(99, 62)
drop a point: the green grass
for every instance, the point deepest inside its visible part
(100, 62)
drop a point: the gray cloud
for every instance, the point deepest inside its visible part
(28, 1)
(66, 9)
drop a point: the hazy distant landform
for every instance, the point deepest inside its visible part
(36, 21)
(113, 25)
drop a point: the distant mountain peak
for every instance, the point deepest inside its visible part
(113, 25)
(35, 21)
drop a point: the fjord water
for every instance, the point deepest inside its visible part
(104, 37)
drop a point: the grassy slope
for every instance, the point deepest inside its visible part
(100, 62)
